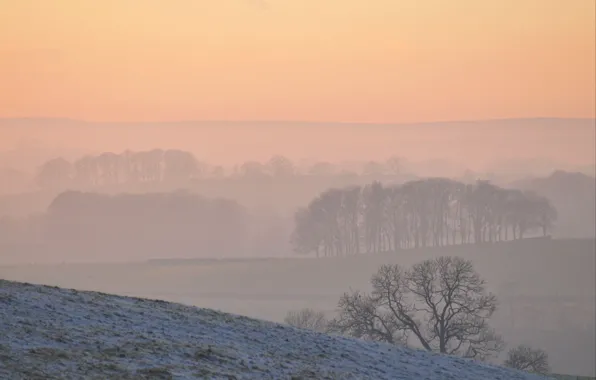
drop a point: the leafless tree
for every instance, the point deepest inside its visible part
(442, 303)
(528, 359)
(307, 319)
(361, 316)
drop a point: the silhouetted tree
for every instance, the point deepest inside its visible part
(374, 198)
(307, 319)
(442, 303)
(525, 358)
(350, 215)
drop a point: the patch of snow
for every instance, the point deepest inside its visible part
(55, 333)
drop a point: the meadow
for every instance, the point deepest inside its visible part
(546, 288)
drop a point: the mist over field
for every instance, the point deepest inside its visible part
(237, 235)
(77, 190)
(502, 147)
(402, 173)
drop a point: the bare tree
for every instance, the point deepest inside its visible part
(361, 316)
(307, 319)
(442, 303)
(528, 359)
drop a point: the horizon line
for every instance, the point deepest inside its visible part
(313, 122)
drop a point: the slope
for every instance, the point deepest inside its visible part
(58, 333)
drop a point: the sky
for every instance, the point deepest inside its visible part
(318, 60)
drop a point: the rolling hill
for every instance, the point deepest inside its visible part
(546, 287)
(55, 333)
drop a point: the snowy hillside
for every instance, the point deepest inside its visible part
(51, 333)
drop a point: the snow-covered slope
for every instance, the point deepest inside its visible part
(50, 333)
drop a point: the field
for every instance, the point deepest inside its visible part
(53, 333)
(547, 288)
(571, 377)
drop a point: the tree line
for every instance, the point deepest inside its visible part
(152, 166)
(86, 225)
(158, 165)
(150, 225)
(421, 213)
(128, 167)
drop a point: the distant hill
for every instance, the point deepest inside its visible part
(573, 194)
(440, 147)
(54, 333)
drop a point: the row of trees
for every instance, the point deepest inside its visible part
(421, 213)
(439, 304)
(151, 225)
(84, 225)
(111, 168)
(81, 226)
(175, 165)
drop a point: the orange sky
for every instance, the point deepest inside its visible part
(328, 60)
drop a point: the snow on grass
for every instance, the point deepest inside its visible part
(54, 333)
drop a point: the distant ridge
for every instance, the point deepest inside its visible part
(291, 122)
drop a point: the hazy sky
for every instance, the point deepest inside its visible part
(328, 60)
